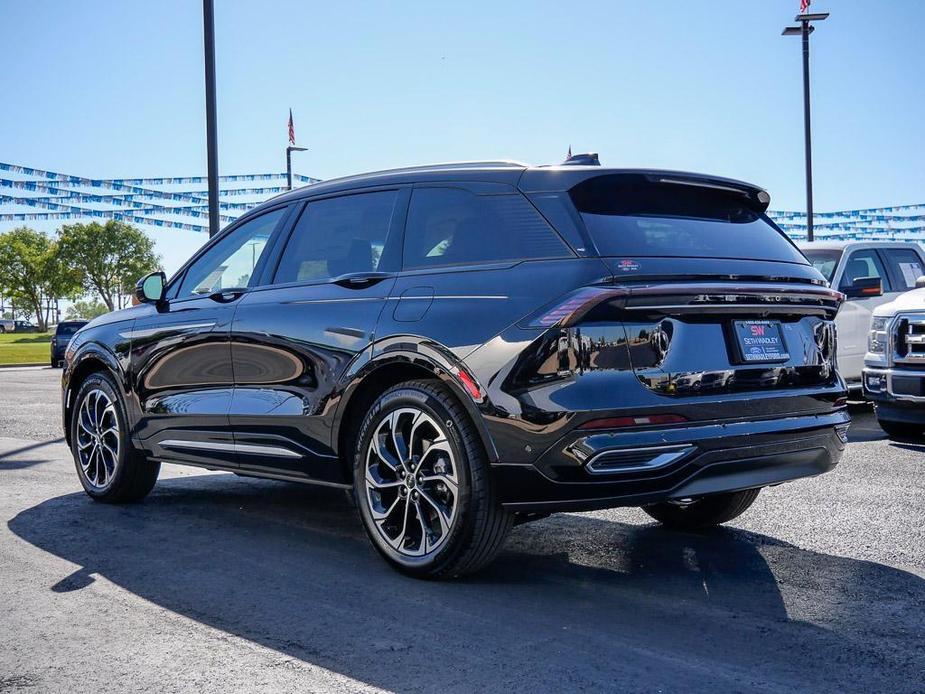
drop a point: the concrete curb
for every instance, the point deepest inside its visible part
(29, 364)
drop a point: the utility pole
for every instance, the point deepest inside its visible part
(208, 30)
(804, 30)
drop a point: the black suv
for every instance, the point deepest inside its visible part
(471, 346)
(64, 331)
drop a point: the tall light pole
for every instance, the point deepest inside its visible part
(804, 30)
(289, 150)
(208, 31)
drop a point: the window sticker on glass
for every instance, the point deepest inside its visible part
(911, 272)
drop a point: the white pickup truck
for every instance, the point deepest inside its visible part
(871, 274)
(894, 366)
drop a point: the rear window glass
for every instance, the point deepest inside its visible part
(824, 261)
(629, 216)
(68, 330)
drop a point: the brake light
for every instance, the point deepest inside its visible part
(622, 422)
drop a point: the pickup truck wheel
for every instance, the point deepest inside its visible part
(901, 430)
(703, 512)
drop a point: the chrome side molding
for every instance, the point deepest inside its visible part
(247, 448)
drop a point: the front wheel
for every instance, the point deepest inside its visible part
(109, 467)
(702, 512)
(423, 486)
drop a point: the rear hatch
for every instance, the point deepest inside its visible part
(713, 297)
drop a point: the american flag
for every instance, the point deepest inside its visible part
(804, 5)
(292, 127)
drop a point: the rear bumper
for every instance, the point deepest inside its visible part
(713, 458)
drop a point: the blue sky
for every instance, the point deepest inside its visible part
(109, 89)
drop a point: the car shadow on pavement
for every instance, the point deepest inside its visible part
(590, 602)
(6, 457)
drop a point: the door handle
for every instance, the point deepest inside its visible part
(226, 296)
(360, 280)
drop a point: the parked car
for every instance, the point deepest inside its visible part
(470, 346)
(894, 378)
(870, 274)
(24, 326)
(64, 331)
(7, 326)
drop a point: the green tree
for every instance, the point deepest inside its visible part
(88, 309)
(110, 257)
(31, 271)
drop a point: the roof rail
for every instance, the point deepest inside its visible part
(498, 163)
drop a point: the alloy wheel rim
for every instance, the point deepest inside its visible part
(412, 483)
(98, 439)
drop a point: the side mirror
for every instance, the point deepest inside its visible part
(150, 288)
(920, 282)
(864, 287)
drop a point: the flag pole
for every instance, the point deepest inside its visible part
(803, 31)
(289, 150)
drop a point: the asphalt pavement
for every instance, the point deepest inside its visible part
(216, 583)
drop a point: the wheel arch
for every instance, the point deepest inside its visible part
(92, 358)
(384, 371)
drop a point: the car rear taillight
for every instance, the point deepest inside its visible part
(572, 307)
(642, 421)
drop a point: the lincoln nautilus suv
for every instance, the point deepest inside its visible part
(471, 346)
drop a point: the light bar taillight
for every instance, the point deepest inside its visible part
(575, 305)
(643, 421)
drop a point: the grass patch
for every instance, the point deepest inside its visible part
(25, 348)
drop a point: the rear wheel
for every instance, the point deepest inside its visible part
(423, 486)
(109, 467)
(901, 430)
(702, 512)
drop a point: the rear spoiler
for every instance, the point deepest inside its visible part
(553, 179)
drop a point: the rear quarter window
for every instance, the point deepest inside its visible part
(630, 216)
(453, 226)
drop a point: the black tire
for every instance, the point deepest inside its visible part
(133, 476)
(901, 430)
(479, 525)
(705, 512)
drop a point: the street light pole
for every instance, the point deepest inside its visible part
(289, 150)
(804, 30)
(208, 30)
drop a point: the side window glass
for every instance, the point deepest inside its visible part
(906, 268)
(451, 226)
(338, 236)
(230, 263)
(864, 264)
